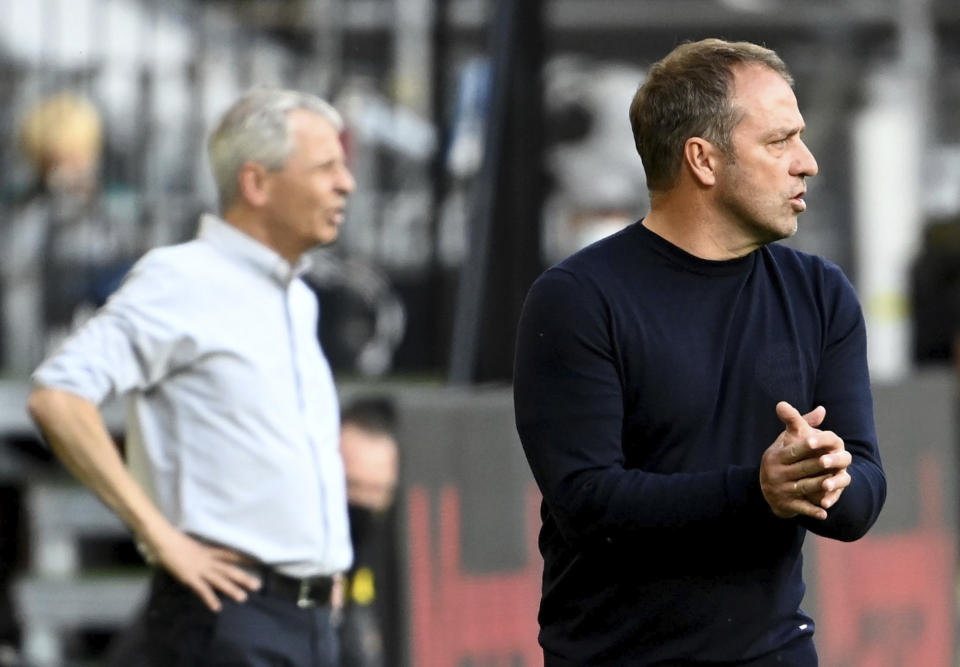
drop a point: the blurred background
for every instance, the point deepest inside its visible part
(489, 139)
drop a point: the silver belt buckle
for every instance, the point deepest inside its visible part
(304, 600)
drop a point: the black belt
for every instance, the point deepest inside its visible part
(306, 592)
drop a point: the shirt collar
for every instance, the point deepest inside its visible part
(244, 247)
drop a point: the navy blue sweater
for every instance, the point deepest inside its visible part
(645, 388)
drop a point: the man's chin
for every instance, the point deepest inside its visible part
(791, 229)
(329, 235)
(783, 231)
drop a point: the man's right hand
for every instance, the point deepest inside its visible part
(75, 430)
(207, 570)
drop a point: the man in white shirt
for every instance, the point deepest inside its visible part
(235, 487)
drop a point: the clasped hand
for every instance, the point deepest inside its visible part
(805, 470)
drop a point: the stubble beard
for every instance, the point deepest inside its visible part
(758, 215)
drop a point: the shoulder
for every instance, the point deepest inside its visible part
(610, 250)
(188, 266)
(598, 265)
(172, 277)
(583, 287)
(180, 259)
(800, 265)
(814, 278)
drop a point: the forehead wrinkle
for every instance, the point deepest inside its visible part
(778, 118)
(762, 91)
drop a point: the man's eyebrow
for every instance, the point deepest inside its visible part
(786, 132)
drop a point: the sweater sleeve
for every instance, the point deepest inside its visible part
(569, 405)
(843, 388)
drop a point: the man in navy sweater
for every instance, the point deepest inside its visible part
(693, 397)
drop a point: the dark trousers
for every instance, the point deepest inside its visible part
(176, 629)
(800, 652)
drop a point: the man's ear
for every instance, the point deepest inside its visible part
(254, 183)
(701, 158)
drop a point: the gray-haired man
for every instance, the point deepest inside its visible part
(235, 487)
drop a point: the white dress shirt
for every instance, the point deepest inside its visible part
(232, 414)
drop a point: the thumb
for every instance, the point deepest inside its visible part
(816, 416)
(790, 417)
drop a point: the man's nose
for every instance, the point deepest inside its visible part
(806, 164)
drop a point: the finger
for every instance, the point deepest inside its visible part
(226, 558)
(818, 444)
(820, 467)
(826, 441)
(836, 460)
(807, 469)
(816, 416)
(824, 491)
(836, 481)
(807, 508)
(817, 485)
(226, 555)
(243, 578)
(221, 582)
(801, 450)
(830, 499)
(207, 594)
(791, 418)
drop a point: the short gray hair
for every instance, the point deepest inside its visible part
(256, 129)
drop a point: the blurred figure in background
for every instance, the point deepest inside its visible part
(935, 295)
(371, 460)
(61, 255)
(236, 486)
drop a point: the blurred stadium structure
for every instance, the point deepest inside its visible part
(489, 139)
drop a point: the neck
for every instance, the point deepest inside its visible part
(256, 227)
(688, 222)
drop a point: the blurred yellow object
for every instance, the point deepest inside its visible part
(361, 586)
(62, 128)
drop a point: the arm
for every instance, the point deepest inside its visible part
(75, 431)
(569, 406)
(843, 387)
(135, 341)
